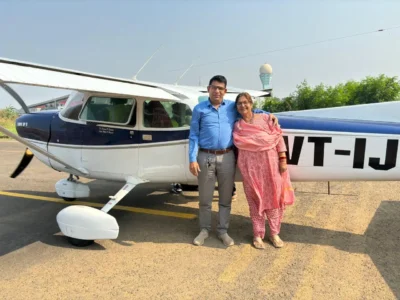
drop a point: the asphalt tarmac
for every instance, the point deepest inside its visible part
(339, 246)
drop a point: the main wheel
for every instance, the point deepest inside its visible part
(69, 199)
(79, 243)
(187, 187)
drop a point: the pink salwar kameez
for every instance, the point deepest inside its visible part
(266, 189)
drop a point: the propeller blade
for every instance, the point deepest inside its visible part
(26, 159)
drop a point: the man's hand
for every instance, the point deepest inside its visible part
(274, 119)
(194, 168)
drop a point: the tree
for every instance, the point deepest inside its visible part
(379, 89)
(369, 90)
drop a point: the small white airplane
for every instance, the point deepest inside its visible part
(134, 132)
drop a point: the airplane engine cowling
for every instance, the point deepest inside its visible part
(87, 223)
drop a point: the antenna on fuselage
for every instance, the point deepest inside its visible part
(183, 74)
(135, 77)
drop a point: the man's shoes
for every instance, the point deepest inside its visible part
(199, 240)
(176, 188)
(226, 239)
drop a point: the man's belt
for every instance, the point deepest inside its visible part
(216, 152)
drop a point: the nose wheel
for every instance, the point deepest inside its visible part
(70, 189)
(69, 199)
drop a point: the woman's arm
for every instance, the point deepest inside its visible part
(281, 148)
(282, 162)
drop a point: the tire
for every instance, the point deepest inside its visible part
(69, 199)
(79, 243)
(187, 187)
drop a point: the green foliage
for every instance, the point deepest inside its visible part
(7, 119)
(274, 104)
(9, 113)
(369, 90)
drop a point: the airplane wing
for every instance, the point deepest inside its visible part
(28, 155)
(17, 72)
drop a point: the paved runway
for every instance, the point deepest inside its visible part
(339, 246)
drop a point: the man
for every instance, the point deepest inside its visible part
(212, 157)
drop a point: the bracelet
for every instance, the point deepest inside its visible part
(282, 158)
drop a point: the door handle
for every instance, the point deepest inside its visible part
(147, 137)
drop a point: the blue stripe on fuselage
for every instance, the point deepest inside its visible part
(94, 135)
(62, 132)
(320, 124)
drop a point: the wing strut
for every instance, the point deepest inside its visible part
(15, 96)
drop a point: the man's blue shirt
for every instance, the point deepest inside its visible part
(212, 128)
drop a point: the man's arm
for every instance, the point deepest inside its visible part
(273, 117)
(194, 142)
(194, 135)
(260, 111)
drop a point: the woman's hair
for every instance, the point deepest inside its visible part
(246, 95)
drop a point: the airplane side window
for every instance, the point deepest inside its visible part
(163, 114)
(109, 110)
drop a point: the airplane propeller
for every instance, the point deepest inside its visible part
(26, 159)
(28, 155)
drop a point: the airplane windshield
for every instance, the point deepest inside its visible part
(73, 106)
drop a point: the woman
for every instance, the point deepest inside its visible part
(262, 162)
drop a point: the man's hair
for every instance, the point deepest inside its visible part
(218, 78)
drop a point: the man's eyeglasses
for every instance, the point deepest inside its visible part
(219, 88)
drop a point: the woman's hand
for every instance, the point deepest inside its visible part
(282, 165)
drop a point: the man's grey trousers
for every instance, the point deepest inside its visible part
(220, 168)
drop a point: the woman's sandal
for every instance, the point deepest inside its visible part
(258, 243)
(276, 241)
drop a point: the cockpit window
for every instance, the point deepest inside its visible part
(166, 114)
(109, 110)
(73, 106)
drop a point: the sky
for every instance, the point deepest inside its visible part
(115, 38)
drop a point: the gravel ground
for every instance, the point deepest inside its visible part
(339, 246)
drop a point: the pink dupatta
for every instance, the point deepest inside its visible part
(253, 137)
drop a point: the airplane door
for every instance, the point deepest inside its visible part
(164, 131)
(110, 138)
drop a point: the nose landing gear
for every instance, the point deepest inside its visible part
(70, 189)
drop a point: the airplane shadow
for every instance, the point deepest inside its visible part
(27, 221)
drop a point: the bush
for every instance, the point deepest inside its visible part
(7, 119)
(9, 113)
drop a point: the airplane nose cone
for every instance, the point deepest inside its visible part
(35, 126)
